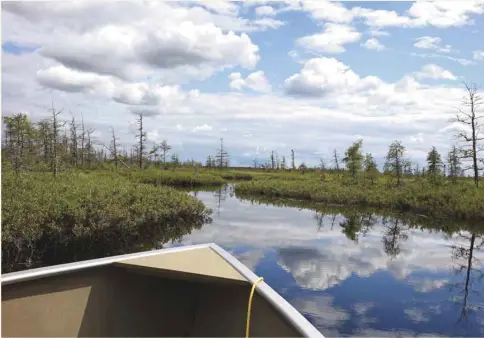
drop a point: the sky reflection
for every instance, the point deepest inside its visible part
(386, 279)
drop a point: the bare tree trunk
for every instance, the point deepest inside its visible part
(55, 132)
(74, 142)
(336, 159)
(83, 135)
(89, 147)
(222, 155)
(471, 149)
(141, 140)
(115, 148)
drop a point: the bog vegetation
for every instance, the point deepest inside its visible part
(65, 191)
(75, 216)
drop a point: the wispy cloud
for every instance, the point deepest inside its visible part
(430, 42)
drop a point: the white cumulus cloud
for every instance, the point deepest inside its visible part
(173, 42)
(440, 14)
(256, 81)
(321, 76)
(432, 71)
(444, 13)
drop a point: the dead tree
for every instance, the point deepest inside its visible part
(89, 147)
(74, 139)
(336, 159)
(45, 131)
(83, 139)
(222, 157)
(114, 148)
(55, 133)
(141, 140)
(470, 149)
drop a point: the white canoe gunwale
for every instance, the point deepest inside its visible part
(299, 322)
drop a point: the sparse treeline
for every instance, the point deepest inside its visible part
(466, 155)
(55, 145)
(357, 163)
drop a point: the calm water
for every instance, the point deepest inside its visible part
(386, 279)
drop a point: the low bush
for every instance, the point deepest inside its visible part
(87, 215)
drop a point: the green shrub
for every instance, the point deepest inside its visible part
(81, 216)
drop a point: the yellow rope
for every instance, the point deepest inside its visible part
(249, 308)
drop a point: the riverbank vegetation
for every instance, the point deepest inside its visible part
(87, 215)
(452, 201)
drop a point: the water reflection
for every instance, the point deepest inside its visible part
(469, 267)
(357, 223)
(221, 196)
(355, 272)
(395, 234)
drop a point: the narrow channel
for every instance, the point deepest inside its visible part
(354, 273)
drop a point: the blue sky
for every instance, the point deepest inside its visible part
(304, 75)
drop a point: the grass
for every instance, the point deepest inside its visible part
(80, 216)
(461, 201)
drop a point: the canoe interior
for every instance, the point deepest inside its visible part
(139, 298)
